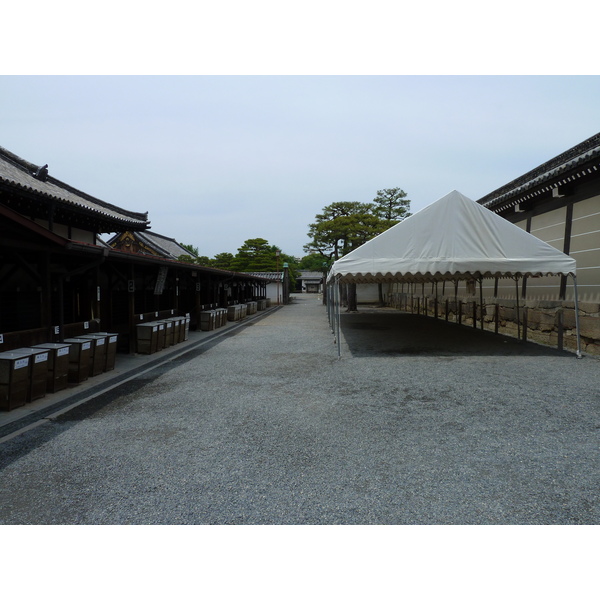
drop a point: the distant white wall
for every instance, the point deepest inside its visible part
(367, 293)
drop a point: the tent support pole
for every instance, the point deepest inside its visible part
(579, 355)
(481, 300)
(518, 318)
(338, 323)
(456, 311)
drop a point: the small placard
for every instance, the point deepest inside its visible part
(57, 330)
(62, 351)
(41, 357)
(86, 325)
(155, 328)
(22, 362)
(141, 317)
(86, 345)
(1, 339)
(100, 341)
(112, 339)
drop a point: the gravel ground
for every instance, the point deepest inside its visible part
(420, 422)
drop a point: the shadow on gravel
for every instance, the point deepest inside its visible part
(391, 333)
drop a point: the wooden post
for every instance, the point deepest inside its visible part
(131, 306)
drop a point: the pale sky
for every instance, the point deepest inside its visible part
(217, 160)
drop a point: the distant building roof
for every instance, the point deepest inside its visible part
(22, 181)
(148, 242)
(310, 275)
(578, 162)
(273, 276)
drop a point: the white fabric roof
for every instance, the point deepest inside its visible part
(453, 238)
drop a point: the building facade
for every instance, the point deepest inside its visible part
(58, 279)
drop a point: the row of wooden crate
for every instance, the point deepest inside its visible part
(155, 336)
(213, 318)
(28, 374)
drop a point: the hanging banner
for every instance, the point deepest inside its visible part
(160, 281)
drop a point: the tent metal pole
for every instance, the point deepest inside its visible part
(481, 300)
(579, 355)
(518, 317)
(338, 323)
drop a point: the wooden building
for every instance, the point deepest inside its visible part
(149, 243)
(277, 289)
(559, 202)
(59, 279)
(310, 282)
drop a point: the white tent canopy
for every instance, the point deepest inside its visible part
(454, 238)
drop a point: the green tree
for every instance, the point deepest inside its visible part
(312, 262)
(191, 249)
(255, 255)
(391, 205)
(342, 227)
(204, 261)
(222, 260)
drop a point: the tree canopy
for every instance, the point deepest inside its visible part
(344, 226)
(391, 205)
(256, 255)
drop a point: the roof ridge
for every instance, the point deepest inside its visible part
(592, 143)
(31, 168)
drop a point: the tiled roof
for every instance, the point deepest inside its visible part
(166, 246)
(23, 175)
(273, 276)
(577, 162)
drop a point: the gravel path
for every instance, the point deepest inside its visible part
(269, 427)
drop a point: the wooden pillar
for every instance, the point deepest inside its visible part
(46, 293)
(96, 296)
(131, 309)
(198, 300)
(61, 308)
